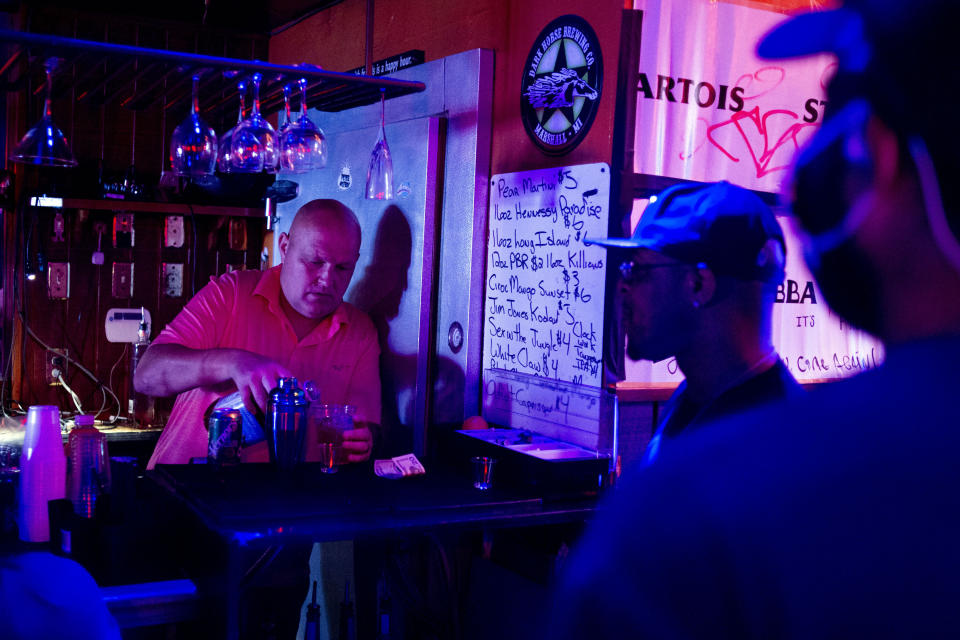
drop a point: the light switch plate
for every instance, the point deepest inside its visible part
(171, 279)
(55, 361)
(173, 231)
(58, 280)
(122, 286)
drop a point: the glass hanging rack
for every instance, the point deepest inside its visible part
(164, 76)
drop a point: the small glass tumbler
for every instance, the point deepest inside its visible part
(483, 472)
(332, 420)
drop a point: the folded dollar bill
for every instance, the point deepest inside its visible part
(399, 467)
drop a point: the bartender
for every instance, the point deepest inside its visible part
(700, 286)
(246, 329)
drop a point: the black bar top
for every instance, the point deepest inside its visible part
(257, 503)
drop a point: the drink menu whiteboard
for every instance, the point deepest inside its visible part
(544, 293)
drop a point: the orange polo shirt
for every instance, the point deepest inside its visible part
(241, 310)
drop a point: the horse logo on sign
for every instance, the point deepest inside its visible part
(559, 89)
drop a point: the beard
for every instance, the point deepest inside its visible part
(659, 342)
(849, 286)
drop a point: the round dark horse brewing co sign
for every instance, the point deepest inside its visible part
(560, 89)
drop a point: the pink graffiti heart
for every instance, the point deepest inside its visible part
(766, 80)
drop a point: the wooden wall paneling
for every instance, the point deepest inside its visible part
(108, 138)
(76, 324)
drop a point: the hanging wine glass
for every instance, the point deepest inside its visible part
(288, 119)
(380, 173)
(225, 145)
(193, 147)
(255, 144)
(303, 147)
(45, 143)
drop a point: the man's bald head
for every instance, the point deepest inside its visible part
(330, 215)
(319, 254)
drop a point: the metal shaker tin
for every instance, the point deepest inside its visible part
(286, 424)
(225, 428)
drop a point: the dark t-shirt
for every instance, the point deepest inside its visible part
(841, 522)
(682, 414)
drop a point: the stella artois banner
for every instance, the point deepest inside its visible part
(707, 108)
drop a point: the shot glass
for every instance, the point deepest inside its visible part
(332, 420)
(483, 472)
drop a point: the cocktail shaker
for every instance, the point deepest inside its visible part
(286, 424)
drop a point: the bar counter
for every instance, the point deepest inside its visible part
(229, 510)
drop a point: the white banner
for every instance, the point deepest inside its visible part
(707, 108)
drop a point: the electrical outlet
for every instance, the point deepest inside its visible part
(123, 230)
(58, 280)
(122, 286)
(171, 279)
(55, 362)
(173, 231)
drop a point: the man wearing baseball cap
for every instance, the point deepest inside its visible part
(837, 515)
(698, 284)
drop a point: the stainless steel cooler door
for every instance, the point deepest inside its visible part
(395, 276)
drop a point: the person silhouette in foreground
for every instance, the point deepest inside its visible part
(835, 515)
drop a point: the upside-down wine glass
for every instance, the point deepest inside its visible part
(303, 147)
(288, 119)
(45, 143)
(255, 144)
(193, 147)
(380, 173)
(225, 146)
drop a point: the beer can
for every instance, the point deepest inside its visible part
(225, 429)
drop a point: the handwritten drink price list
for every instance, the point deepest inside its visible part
(544, 297)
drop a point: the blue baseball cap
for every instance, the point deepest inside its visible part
(724, 226)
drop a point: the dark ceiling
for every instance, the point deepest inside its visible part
(248, 16)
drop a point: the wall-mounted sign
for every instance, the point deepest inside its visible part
(561, 83)
(392, 64)
(709, 109)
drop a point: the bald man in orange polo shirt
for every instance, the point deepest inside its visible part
(246, 329)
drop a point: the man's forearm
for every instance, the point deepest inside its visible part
(168, 369)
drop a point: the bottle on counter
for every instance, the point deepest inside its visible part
(348, 622)
(312, 629)
(43, 471)
(89, 476)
